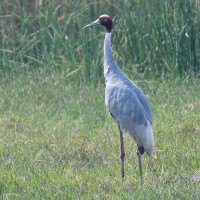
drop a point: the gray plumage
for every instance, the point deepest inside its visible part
(125, 101)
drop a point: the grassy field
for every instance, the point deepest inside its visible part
(59, 142)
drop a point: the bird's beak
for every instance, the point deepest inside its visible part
(92, 24)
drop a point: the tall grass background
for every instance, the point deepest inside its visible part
(153, 38)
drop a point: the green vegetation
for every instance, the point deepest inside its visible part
(152, 37)
(57, 141)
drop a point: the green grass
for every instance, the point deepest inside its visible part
(59, 142)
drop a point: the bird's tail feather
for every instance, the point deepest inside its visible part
(148, 143)
(141, 150)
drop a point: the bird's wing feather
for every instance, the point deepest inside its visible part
(124, 105)
(145, 104)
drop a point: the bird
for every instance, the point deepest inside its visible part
(125, 102)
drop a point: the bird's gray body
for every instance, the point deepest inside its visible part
(126, 102)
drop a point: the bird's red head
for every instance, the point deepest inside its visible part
(106, 21)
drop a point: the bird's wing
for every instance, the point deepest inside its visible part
(123, 83)
(145, 104)
(124, 106)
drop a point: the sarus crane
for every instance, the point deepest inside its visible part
(125, 102)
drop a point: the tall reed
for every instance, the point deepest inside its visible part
(150, 37)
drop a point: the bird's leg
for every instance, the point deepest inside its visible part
(122, 153)
(139, 162)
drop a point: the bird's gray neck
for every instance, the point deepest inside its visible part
(109, 62)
